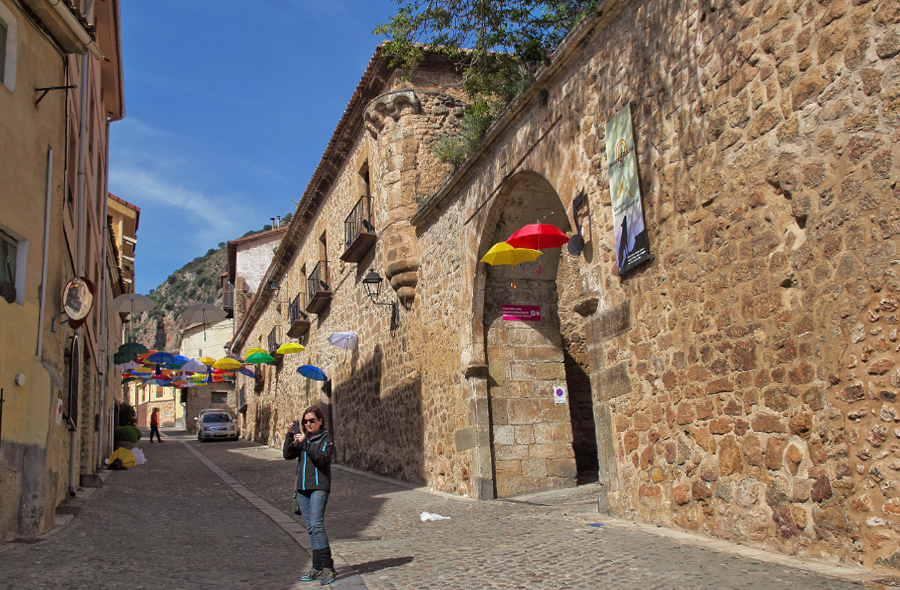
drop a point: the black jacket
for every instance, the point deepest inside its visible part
(314, 460)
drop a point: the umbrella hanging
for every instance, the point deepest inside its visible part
(537, 236)
(203, 313)
(131, 350)
(311, 372)
(207, 360)
(229, 364)
(193, 366)
(132, 303)
(503, 253)
(290, 348)
(346, 340)
(255, 350)
(259, 358)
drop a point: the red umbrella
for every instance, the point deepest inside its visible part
(537, 236)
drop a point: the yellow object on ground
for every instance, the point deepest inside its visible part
(125, 455)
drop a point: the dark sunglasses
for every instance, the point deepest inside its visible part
(311, 421)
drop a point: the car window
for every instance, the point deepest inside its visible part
(216, 418)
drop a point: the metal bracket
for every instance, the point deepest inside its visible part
(48, 89)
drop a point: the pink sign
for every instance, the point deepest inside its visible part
(523, 313)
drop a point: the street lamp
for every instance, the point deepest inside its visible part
(372, 284)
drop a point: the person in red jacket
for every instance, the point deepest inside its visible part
(313, 447)
(154, 424)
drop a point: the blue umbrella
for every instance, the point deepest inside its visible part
(179, 362)
(162, 357)
(311, 372)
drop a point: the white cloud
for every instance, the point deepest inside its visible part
(210, 219)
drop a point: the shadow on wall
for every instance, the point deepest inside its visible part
(263, 422)
(380, 431)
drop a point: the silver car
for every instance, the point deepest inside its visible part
(216, 425)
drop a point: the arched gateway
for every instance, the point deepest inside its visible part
(539, 399)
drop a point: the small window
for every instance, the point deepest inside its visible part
(219, 397)
(8, 43)
(159, 392)
(13, 256)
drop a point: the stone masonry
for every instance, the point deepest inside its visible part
(743, 383)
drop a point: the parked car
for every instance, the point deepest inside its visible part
(212, 411)
(216, 425)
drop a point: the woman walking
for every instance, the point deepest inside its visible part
(312, 447)
(154, 425)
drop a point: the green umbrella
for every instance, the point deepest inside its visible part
(130, 350)
(259, 357)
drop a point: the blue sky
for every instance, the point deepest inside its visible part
(229, 106)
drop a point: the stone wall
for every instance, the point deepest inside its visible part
(743, 380)
(742, 383)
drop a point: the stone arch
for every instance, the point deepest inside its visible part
(529, 438)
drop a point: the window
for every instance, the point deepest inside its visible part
(218, 397)
(13, 253)
(8, 43)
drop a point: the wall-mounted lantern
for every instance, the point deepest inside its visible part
(372, 283)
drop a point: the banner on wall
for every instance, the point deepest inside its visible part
(628, 213)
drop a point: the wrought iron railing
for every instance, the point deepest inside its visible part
(228, 295)
(295, 311)
(273, 339)
(359, 220)
(318, 279)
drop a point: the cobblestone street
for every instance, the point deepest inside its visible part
(217, 515)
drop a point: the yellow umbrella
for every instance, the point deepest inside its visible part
(208, 361)
(255, 350)
(503, 253)
(228, 364)
(290, 348)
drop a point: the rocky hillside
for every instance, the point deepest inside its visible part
(198, 281)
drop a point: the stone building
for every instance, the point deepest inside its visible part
(742, 383)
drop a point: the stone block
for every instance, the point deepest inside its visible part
(511, 453)
(611, 383)
(562, 468)
(525, 435)
(552, 451)
(548, 371)
(507, 467)
(611, 323)
(534, 468)
(552, 432)
(503, 436)
(524, 411)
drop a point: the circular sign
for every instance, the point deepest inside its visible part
(78, 298)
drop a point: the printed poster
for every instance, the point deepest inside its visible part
(628, 213)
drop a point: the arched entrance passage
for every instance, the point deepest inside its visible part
(537, 444)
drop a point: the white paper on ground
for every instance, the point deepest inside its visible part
(429, 516)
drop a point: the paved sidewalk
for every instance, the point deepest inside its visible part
(218, 515)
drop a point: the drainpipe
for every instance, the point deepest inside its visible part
(40, 342)
(80, 240)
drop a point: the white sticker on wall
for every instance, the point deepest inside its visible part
(59, 411)
(559, 395)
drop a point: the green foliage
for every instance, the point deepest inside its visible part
(476, 120)
(500, 42)
(127, 433)
(210, 252)
(450, 150)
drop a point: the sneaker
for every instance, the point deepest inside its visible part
(313, 574)
(327, 576)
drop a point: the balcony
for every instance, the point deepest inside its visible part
(359, 231)
(298, 322)
(318, 289)
(228, 297)
(273, 341)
